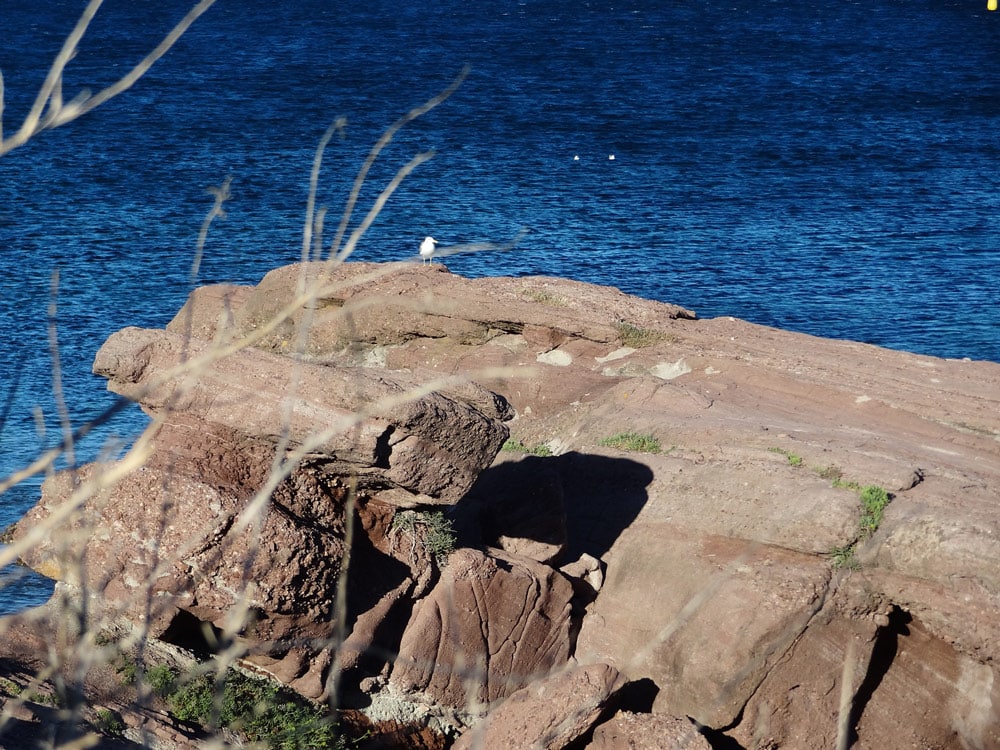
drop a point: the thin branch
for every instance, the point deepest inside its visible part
(48, 110)
(339, 124)
(33, 121)
(382, 142)
(221, 194)
(379, 204)
(1, 107)
(478, 247)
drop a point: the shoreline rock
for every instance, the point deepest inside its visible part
(724, 575)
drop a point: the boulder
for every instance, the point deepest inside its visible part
(493, 624)
(386, 431)
(711, 617)
(640, 731)
(552, 713)
(176, 535)
(905, 689)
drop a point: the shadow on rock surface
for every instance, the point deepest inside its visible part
(566, 505)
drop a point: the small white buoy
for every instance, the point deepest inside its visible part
(427, 249)
(611, 157)
(576, 158)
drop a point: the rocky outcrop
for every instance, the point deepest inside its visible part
(238, 518)
(632, 731)
(357, 423)
(719, 569)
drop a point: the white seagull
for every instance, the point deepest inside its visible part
(427, 248)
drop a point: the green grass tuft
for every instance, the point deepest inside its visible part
(516, 446)
(432, 530)
(793, 459)
(874, 499)
(634, 442)
(843, 557)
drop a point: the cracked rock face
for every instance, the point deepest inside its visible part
(725, 573)
(240, 506)
(356, 422)
(717, 618)
(492, 624)
(175, 535)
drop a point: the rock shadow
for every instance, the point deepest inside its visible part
(884, 652)
(373, 575)
(571, 504)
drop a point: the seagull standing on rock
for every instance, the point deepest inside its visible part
(427, 249)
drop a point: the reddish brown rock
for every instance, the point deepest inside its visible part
(392, 304)
(180, 534)
(493, 624)
(711, 618)
(550, 713)
(631, 731)
(381, 429)
(719, 587)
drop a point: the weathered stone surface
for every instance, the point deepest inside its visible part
(718, 585)
(359, 422)
(176, 534)
(210, 312)
(938, 557)
(492, 624)
(631, 731)
(908, 689)
(799, 702)
(549, 713)
(392, 304)
(710, 618)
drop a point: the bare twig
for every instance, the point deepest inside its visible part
(335, 249)
(49, 111)
(221, 194)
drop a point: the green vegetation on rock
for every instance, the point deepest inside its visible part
(634, 442)
(516, 446)
(793, 459)
(431, 530)
(874, 500)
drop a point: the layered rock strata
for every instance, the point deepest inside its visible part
(726, 578)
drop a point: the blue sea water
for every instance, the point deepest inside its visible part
(827, 168)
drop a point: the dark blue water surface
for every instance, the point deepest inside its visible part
(829, 168)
